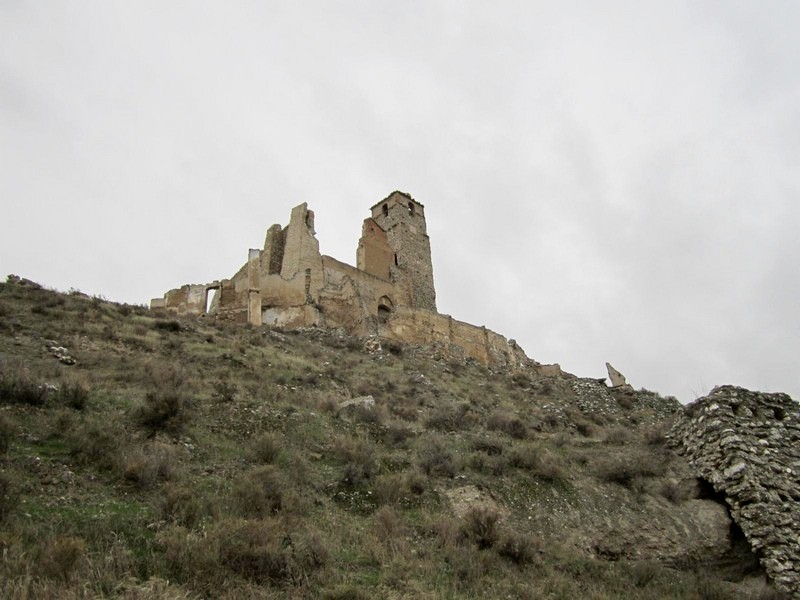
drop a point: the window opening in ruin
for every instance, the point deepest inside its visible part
(211, 299)
(396, 261)
(385, 210)
(384, 309)
(411, 209)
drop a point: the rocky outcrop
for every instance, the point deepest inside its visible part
(747, 445)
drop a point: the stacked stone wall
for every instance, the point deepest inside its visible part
(747, 445)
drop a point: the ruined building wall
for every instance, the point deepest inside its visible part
(747, 445)
(484, 345)
(390, 293)
(374, 255)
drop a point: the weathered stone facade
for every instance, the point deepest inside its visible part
(747, 445)
(390, 293)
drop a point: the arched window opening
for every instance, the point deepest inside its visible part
(396, 260)
(385, 210)
(411, 209)
(385, 307)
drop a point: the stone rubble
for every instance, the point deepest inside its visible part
(747, 445)
(59, 352)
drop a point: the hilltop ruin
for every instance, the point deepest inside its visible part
(389, 293)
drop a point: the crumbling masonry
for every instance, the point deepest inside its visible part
(390, 293)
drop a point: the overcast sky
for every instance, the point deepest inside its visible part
(603, 180)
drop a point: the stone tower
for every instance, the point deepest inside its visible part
(401, 220)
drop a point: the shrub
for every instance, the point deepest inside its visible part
(643, 572)
(519, 548)
(259, 493)
(147, 465)
(189, 556)
(182, 505)
(626, 471)
(618, 436)
(489, 447)
(73, 394)
(171, 325)
(162, 410)
(266, 448)
(449, 418)
(61, 555)
(399, 488)
(359, 458)
(674, 491)
(8, 496)
(537, 462)
(97, 441)
(346, 592)
(584, 427)
(387, 524)
(264, 552)
(509, 424)
(225, 391)
(480, 526)
(16, 387)
(655, 435)
(435, 460)
(6, 433)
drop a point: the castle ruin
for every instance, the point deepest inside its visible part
(389, 293)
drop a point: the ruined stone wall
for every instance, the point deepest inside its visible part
(272, 258)
(747, 445)
(351, 297)
(374, 255)
(424, 327)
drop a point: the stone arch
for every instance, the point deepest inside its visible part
(385, 308)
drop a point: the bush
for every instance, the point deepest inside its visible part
(73, 394)
(18, 388)
(264, 552)
(509, 424)
(519, 548)
(225, 391)
(399, 488)
(60, 557)
(182, 505)
(147, 465)
(171, 325)
(537, 462)
(359, 458)
(6, 433)
(435, 460)
(8, 496)
(97, 441)
(480, 526)
(162, 410)
(266, 448)
(618, 436)
(449, 418)
(627, 471)
(259, 493)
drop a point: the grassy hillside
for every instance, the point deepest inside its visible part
(187, 459)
